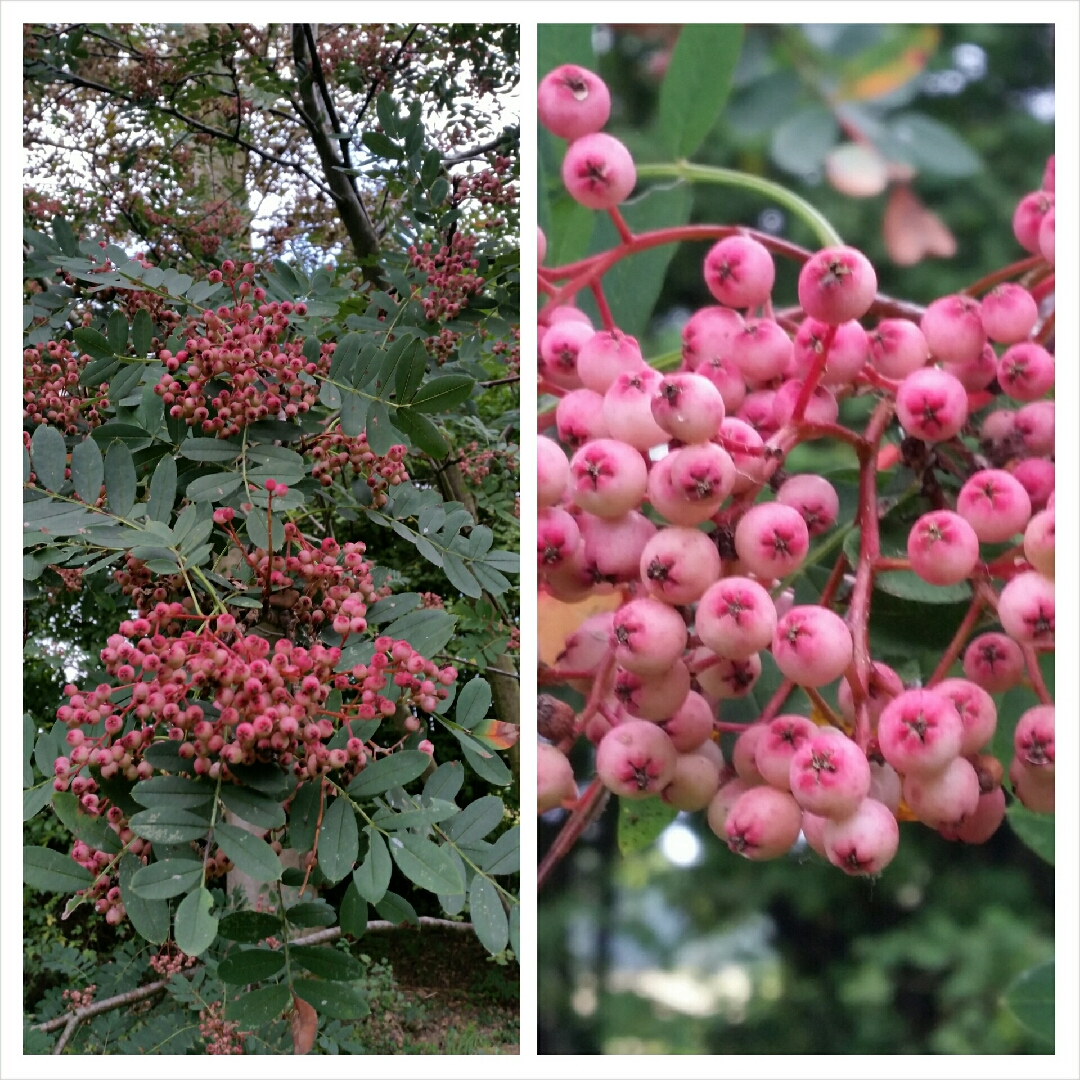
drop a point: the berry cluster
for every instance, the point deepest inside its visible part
(334, 450)
(704, 576)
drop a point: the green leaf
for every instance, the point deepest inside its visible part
(36, 798)
(1030, 998)
(476, 820)
(390, 607)
(381, 434)
(179, 792)
(250, 926)
(194, 927)
(397, 909)
(563, 43)
(427, 631)
(486, 765)
(354, 411)
(327, 963)
(142, 333)
(213, 488)
(353, 916)
(372, 876)
(50, 871)
(488, 917)
(49, 456)
(166, 879)
(423, 433)
(504, 857)
(87, 470)
(515, 930)
(65, 237)
(198, 449)
(387, 111)
(409, 372)
(459, 576)
(162, 490)
(120, 479)
(251, 855)
(334, 999)
(91, 828)
(168, 825)
(311, 914)
(338, 840)
(445, 782)
(264, 777)
(149, 917)
(1035, 830)
(934, 147)
(253, 807)
(393, 771)
(426, 864)
(641, 821)
(250, 965)
(443, 393)
(259, 1007)
(381, 145)
(801, 144)
(116, 333)
(303, 816)
(437, 810)
(696, 85)
(345, 353)
(473, 702)
(91, 342)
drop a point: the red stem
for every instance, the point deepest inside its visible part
(810, 384)
(602, 305)
(963, 632)
(589, 805)
(625, 235)
(1006, 273)
(1031, 661)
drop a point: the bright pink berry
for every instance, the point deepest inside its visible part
(864, 843)
(1033, 740)
(709, 333)
(931, 404)
(552, 472)
(994, 662)
(744, 755)
(783, 736)
(1009, 313)
(579, 418)
(647, 636)
(772, 540)
(920, 731)
(829, 775)
(761, 350)
(605, 356)
(1046, 236)
(739, 272)
(571, 102)
(1037, 476)
(598, 171)
(953, 329)
(688, 407)
(1026, 371)
(814, 498)
(554, 778)
(691, 725)
(763, 824)
(1039, 542)
(557, 537)
(679, 564)
(976, 709)
(976, 374)
(1035, 426)
(725, 679)
(897, 348)
(745, 447)
(614, 546)
(628, 409)
(1028, 219)
(978, 827)
(836, 285)
(849, 351)
(559, 353)
(688, 485)
(994, 503)
(812, 646)
(1026, 609)
(635, 760)
(607, 478)
(943, 548)
(654, 697)
(735, 618)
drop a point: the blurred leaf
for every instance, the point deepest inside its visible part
(1030, 998)
(641, 821)
(800, 144)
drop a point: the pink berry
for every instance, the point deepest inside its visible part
(635, 760)
(557, 537)
(864, 843)
(1035, 426)
(605, 356)
(722, 372)
(688, 407)
(1028, 219)
(724, 679)
(614, 546)
(943, 548)
(735, 618)
(745, 447)
(885, 785)
(1048, 176)
(721, 803)
(709, 333)
(977, 712)
(1039, 542)
(995, 504)
(541, 245)
(821, 408)
(696, 781)
(1026, 371)
(931, 404)
(836, 285)
(813, 831)
(885, 684)
(953, 329)
(829, 775)
(1037, 476)
(1009, 313)
(554, 778)
(628, 409)
(1033, 740)
(758, 410)
(814, 498)
(691, 725)
(598, 171)
(848, 353)
(688, 485)
(945, 797)
(559, 352)
(1046, 236)
(897, 348)
(920, 731)
(552, 472)
(739, 272)
(763, 824)
(607, 478)
(579, 417)
(979, 826)
(679, 564)
(571, 102)
(772, 540)
(744, 755)
(994, 662)
(976, 374)
(647, 636)
(1026, 609)
(812, 646)
(586, 647)
(654, 697)
(782, 737)
(1035, 791)
(761, 350)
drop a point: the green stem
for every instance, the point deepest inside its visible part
(711, 174)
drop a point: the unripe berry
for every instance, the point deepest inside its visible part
(635, 760)
(761, 350)
(931, 404)
(1035, 426)
(994, 662)
(721, 803)
(995, 504)
(1026, 609)
(812, 646)
(678, 565)
(943, 548)
(920, 731)
(656, 697)
(829, 775)
(979, 826)
(763, 824)
(735, 618)
(1037, 476)
(628, 409)
(739, 272)
(598, 171)
(836, 285)
(744, 756)
(647, 636)
(554, 778)
(571, 101)
(814, 498)
(772, 540)
(864, 843)
(614, 546)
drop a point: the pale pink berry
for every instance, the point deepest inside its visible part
(945, 797)
(1033, 740)
(628, 409)
(772, 540)
(739, 272)
(885, 684)
(746, 449)
(586, 647)
(885, 785)
(994, 662)
(758, 410)
(1026, 371)
(635, 760)
(976, 374)
(783, 736)
(565, 313)
(931, 404)
(557, 537)
(979, 826)
(614, 546)
(696, 781)
(1035, 426)
(1026, 609)
(763, 824)
(1039, 542)
(571, 580)
(541, 245)
(552, 472)
(943, 548)
(864, 843)
(977, 712)
(1008, 313)
(605, 356)
(709, 333)
(897, 348)
(920, 731)
(1046, 236)
(607, 478)
(744, 755)
(953, 329)
(761, 350)
(691, 725)
(814, 498)
(829, 775)
(849, 351)
(678, 565)
(1028, 219)
(653, 697)
(559, 352)
(735, 618)
(722, 372)
(647, 636)
(1037, 476)
(554, 778)
(998, 429)
(836, 285)
(813, 831)
(579, 418)
(721, 803)
(598, 171)
(821, 407)
(724, 679)
(571, 102)
(691, 483)
(688, 407)
(812, 646)
(994, 503)
(1035, 791)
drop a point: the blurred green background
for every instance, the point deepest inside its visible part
(683, 947)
